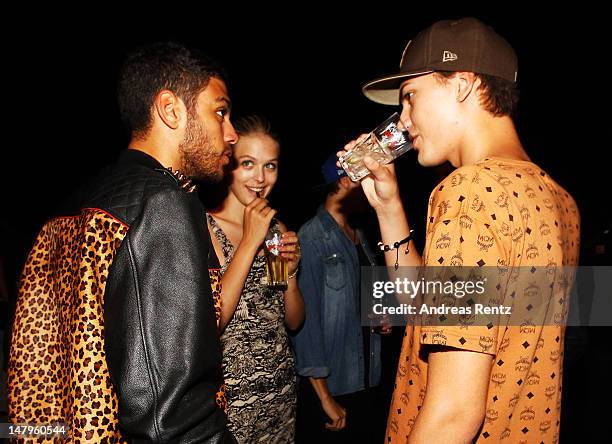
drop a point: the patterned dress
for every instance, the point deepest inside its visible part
(258, 364)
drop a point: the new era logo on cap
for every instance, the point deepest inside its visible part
(449, 56)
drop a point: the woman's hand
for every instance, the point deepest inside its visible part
(290, 249)
(257, 217)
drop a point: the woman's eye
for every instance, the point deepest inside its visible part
(221, 113)
(271, 166)
(247, 163)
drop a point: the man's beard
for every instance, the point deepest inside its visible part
(198, 158)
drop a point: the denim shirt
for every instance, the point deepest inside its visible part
(330, 343)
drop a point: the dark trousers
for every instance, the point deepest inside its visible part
(366, 417)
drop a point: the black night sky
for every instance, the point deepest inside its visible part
(304, 72)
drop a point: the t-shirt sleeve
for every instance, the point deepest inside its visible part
(462, 253)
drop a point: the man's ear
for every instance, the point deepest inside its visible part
(465, 85)
(169, 108)
(345, 182)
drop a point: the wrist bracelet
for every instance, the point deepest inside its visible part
(395, 246)
(292, 275)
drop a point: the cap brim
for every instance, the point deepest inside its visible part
(385, 90)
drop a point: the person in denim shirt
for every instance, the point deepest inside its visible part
(335, 356)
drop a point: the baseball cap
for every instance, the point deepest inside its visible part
(330, 171)
(466, 44)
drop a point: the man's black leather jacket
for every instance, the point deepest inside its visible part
(161, 340)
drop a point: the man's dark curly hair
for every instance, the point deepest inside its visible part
(161, 66)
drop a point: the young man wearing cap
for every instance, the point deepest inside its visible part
(338, 360)
(491, 383)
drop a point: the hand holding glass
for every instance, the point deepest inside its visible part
(385, 143)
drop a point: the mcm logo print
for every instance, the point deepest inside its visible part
(532, 251)
(494, 301)
(505, 229)
(404, 398)
(421, 396)
(514, 275)
(532, 291)
(550, 391)
(533, 379)
(393, 425)
(527, 327)
(484, 242)
(551, 267)
(491, 416)
(415, 369)
(560, 318)
(524, 213)
(466, 320)
(411, 422)
(544, 228)
(540, 343)
(527, 414)
(505, 434)
(554, 355)
(504, 345)
(458, 179)
(544, 426)
(522, 364)
(456, 260)
(477, 204)
(486, 342)
(476, 178)
(443, 207)
(503, 180)
(466, 221)
(502, 200)
(443, 241)
(502, 266)
(529, 171)
(513, 401)
(529, 192)
(401, 370)
(548, 203)
(439, 338)
(505, 166)
(517, 234)
(498, 378)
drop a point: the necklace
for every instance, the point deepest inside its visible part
(183, 181)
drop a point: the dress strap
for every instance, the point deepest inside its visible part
(226, 245)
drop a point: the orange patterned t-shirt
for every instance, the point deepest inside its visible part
(501, 213)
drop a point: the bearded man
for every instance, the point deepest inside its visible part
(114, 333)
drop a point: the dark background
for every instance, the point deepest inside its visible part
(302, 68)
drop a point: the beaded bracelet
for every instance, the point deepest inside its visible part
(395, 246)
(292, 275)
